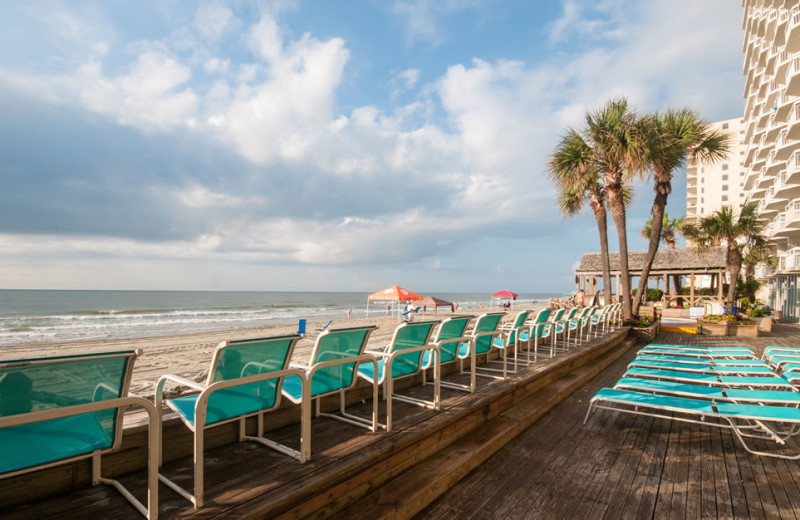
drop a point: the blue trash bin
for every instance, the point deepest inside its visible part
(301, 327)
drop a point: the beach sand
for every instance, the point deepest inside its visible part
(189, 355)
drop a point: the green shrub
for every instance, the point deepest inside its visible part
(757, 313)
(653, 295)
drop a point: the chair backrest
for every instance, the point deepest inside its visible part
(406, 336)
(537, 326)
(486, 323)
(558, 315)
(570, 314)
(451, 328)
(35, 385)
(338, 345)
(519, 321)
(248, 357)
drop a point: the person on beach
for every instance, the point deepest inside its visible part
(388, 308)
(582, 298)
(349, 312)
(409, 309)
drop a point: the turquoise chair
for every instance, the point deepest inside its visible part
(513, 334)
(244, 380)
(58, 410)
(747, 421)
(333, 369)
(480, 342)
(446, 341)
(555, 319)
(402, 357)
(540, 330)
(562, 327)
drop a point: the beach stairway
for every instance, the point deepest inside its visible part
(353, 473)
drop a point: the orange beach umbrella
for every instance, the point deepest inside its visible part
(394, 293)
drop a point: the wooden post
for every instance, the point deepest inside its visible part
(719, 283)
(691, 290)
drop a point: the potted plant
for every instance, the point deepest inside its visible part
(761, 319)
(715, 324)
(643, 328)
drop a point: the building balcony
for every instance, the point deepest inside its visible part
(790, 262)
(764, 271)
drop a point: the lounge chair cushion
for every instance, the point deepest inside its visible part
(223, 405)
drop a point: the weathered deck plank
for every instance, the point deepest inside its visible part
(625, 466)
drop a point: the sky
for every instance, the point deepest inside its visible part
(327, 145)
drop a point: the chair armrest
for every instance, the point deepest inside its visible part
(159, 394)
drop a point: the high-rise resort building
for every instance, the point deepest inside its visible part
(772, 139)
(709, 186)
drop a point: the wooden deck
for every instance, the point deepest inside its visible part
(349, 465)
(514, 449)
(625, 466)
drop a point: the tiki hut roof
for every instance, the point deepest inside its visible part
(667, 261)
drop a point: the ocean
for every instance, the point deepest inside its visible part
(32, 316)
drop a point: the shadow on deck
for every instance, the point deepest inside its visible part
(352, 473)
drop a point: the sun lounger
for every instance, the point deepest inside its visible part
(403, 357)
(446, 341)
(703, 367)
(244, 380)
(788, 398)
(695, 360)
(716, 353)
(62, 409)
(333, 369)
(711, 379)
(695, 347)
(745, 420)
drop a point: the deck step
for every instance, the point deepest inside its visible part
(409, 493)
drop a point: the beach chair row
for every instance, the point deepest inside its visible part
(785, 361)
(726, 387)
(59, 410)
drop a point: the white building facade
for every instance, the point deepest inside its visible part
(709, 186)
(771, 160)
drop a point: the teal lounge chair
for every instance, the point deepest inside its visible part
(776, 423)
(447, 339)
(711, 379)
(563, 329)
(480, 342)
(333, 369)
(540, 329)
(62, 409)
(403, 357)
(244, 380)
(513, 334)
(744, 395)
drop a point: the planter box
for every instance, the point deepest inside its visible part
(744, 331)
(713, 328)
(645, 334)
(764, 324)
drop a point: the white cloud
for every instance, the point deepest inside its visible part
(150, 97)
(212, 19)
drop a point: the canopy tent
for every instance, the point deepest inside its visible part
(433, 301)
(393, 294)
(503, 295)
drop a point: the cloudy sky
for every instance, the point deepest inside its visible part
(325, 145)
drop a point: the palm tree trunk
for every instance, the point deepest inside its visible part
(734, 260)
(659, 204)
(614, 190)
(602, 228)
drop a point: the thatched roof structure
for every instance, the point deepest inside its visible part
(667, 261)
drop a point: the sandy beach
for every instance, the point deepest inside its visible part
(189, 355)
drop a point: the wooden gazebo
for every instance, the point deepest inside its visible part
(667, 263)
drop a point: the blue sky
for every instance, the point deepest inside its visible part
(318, 145)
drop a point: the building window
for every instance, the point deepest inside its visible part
(724, 187)
(725, 177)
(724, 166)
(702, 200)
(702, 190)
(724, 198)
(724, 126)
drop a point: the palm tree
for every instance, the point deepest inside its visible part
(673, 138)
(578, 181)
(618, 139)
(669, 229)
(723, 226)
(757, 250)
